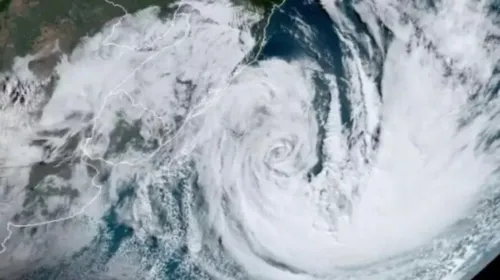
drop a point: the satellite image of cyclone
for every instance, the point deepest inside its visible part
(249, 139)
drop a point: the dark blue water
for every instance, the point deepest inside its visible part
(324, 48)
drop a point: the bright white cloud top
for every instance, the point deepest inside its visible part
(244, 168)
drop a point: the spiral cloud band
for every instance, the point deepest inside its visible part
(254, 166)
(368, 149)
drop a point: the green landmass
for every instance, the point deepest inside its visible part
(26, 26)
(266, 4)
(4, 4)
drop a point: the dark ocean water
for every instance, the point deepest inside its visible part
(286, 40)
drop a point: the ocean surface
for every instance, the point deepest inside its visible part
(327, 140)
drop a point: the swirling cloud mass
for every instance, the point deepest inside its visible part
(367, 150)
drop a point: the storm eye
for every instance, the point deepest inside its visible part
(280, 151)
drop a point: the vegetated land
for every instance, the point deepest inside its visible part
(266, 4)
(29, 26)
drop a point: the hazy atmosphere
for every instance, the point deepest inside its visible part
(249, 139)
